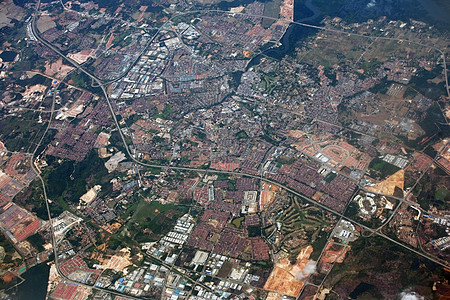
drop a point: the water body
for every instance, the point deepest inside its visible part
(313, 11)
(438, 9)
(299, 13)
(35, 285)
(8, 56)
(306, 13)
(360, 289)
(303, 13)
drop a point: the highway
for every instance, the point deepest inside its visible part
(132, 157)
(32, 164)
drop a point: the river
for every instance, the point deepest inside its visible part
(438, 11)
(303, 13)
(308, 12)
(35, 284)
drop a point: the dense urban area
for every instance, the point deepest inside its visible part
(167, 150)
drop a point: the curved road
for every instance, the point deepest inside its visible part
(101, 84)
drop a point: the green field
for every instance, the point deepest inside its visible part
(441, 194)
(151, 210)
(164, 114)
(157, 217)
(330, 177)
(384, 169)
(238, 222)
(271, 9)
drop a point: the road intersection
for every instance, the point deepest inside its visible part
(99, 83)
